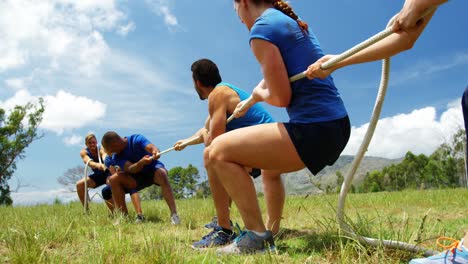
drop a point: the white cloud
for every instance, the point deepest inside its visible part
(73, 140)
(64, 111)
(15, 83)
(124, 30)
(161, 8)
(418, 132)
(60, 33)
(42, 197)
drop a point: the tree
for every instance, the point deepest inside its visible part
(71, 176)
(183, 181)
(18, 129)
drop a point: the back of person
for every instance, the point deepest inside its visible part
(256, 114)
(312, 100)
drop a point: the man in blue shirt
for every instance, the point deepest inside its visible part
(138, 157)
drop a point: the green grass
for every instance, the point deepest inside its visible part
(310, 234)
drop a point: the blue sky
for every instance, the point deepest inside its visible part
(125, 66)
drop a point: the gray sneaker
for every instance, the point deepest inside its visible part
(140, 218)
(250, 243)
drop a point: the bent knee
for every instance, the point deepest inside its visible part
(113, 179)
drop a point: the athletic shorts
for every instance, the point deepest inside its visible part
(145, 178)
(107, 192)
(319, 144)
(255, 172)
(100, 178)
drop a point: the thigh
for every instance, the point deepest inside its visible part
(125, 180)
(265, 146)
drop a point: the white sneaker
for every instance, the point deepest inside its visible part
(175, 220)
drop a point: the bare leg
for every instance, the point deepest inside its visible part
(110, 205)
(262, 146)
(221, 199)
(80, 188)
(160, 177)
(118, 182)
(274, 196)
(136, 203)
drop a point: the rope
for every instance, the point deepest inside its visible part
(247, 102)
(87, 199)
(85, 178)
(367, 138)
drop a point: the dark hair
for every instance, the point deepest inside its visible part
(285, 8)
(206, 71)
(109, 138)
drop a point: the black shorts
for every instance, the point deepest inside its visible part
(100, 178)
(145, 179)
(319, 144)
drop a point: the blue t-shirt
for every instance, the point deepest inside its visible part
(314, 100)
(108, 161)
(133, 152)
(256, 114)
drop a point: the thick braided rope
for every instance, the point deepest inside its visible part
(85, 178)
(366, 141)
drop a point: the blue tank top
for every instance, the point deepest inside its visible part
(256, 114)
(314, 100)
(95, 159)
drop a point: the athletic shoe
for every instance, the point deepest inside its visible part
(217, 237)
(140, 218)
(455, 253)
(175, 220)
(250, 243)
(214, 223)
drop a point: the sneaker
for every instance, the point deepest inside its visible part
(455, 253)
(217, 237)
(214, 223)
(175, 220)
(140, 218)
(250, 243)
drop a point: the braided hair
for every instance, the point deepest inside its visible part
(287, 10)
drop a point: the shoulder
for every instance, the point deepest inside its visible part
(84, 151)
(221, 95)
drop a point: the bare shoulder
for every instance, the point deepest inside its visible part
(221, 95)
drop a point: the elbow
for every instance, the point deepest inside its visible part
(407, 41)
(283, 101)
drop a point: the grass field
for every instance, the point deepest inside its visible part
(62, 233)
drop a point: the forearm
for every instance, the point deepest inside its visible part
(135, 167)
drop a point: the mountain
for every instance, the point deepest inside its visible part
(303, 182)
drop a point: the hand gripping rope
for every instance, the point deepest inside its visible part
(249, 100)
(368, 136)
(85, 178)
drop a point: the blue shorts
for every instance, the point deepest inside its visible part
(100, 178)
(319, 144)
(145, 178)
(107, 192)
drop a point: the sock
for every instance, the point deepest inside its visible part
(260, 234)
(227, 231)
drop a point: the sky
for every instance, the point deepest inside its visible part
(125, 66)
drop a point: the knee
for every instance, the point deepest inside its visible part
(161, 178)
(113, 180)
(80, 185)
(213, 155)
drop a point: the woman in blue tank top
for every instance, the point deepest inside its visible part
(314, 137)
